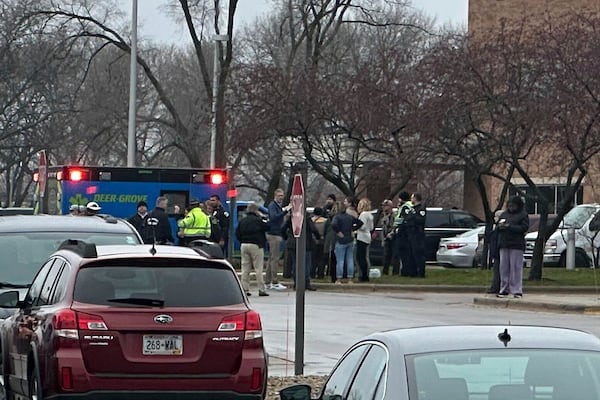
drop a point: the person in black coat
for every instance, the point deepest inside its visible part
(512, 227)
(312, 235)
(251, 232)
(139, 222)
(494, 255)
(162, 231)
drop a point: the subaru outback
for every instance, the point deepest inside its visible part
(133, 322)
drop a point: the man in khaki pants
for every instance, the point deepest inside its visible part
(251, 234)
(274, 237)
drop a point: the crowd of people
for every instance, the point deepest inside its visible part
(199, 220)
(338, 236)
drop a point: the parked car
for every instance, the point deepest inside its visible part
(439, 223)
(127, 322)
(555, 250)
(459, 251)
(26, 241)
(463, 363)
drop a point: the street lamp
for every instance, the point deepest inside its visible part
(132, 87)
(216, 67)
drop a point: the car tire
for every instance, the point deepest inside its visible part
(581, 259)
(35, 386)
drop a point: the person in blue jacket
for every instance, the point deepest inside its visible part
(276, 216)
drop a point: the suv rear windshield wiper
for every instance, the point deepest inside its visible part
(139, 301)
(10, 285)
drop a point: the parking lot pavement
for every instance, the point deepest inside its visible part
(334, 320)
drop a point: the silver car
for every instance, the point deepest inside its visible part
(467, 362)
(459, 251)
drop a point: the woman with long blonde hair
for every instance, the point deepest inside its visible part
(363, 238)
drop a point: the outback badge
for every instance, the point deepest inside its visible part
(163, 319)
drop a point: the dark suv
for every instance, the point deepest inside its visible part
(439, 223)
(133, 322)
(26, 241)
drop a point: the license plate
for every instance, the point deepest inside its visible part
(160, 345)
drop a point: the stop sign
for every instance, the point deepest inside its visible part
(42, 173)
(297, 202)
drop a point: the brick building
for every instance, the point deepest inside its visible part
(485, 17)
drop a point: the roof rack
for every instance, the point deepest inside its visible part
(84, 249)
(107, 218)
(207, 248)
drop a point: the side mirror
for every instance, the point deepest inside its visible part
(296, 392)
(9, 299)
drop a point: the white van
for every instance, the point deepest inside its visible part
(555, 250)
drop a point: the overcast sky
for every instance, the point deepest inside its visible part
(155, 25)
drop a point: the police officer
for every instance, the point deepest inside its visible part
(196, 224)
(416, 235)
(222, 218)
(401, 235)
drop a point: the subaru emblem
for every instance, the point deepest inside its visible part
(163, 319)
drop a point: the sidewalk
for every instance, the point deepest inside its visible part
(583, 300)
(564, 303)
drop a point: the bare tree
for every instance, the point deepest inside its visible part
(504, 108)
(321, 74)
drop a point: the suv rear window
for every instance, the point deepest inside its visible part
(199, 286)
(464, 220)
(437, 219)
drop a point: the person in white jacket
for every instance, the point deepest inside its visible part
(363, 238)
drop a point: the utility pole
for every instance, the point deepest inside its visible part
(215, 93)
(132, 87)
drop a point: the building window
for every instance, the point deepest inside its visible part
(556, 194)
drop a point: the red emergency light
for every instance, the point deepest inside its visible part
(75, 175)
(217, 178)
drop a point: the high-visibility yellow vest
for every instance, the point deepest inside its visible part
(402, 211)
(195, 223)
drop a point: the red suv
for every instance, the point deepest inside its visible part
(133, 322)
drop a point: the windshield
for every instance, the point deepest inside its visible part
(22, 254)
(578, 216)
(505, 374)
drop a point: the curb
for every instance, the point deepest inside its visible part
(520, 304)
(383, 287)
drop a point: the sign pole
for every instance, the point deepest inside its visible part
(298, 202)
(42, 179)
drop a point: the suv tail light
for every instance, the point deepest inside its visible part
(253, 326)
(67, 324)
(248, 322)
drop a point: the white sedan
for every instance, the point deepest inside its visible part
(459, 251)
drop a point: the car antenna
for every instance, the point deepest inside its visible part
(153, 222)
(504, 337)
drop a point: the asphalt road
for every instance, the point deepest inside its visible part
(335, 320)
